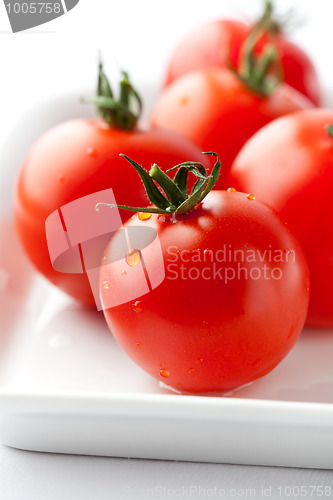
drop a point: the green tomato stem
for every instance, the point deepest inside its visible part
(262, 73)
(177, 200)
(122, 113)
(175, 195)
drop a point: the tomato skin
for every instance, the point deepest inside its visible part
(299, 71)
(289, 164)
(214, 109)
(78, 158)
(202, 335)
(218, 43)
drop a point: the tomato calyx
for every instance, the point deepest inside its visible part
(329, 130)
(122, 113)
(260, 72)
(176, 198)
(268, 21)
(278, 23)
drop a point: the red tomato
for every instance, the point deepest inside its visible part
(231, 304)
(77, 158)
(289, 164)
(214, 109)
(216, 43)
(219, 43)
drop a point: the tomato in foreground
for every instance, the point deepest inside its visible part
(227, 285)
(289, 164)
(81, 157)
(220, 43)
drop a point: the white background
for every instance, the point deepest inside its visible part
(135, 35)
(139, 36)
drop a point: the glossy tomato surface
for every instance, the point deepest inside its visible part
(78, 158)
(226, 293)
(218, 43)
(289, 164)
(214, 109)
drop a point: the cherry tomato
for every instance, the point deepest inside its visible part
(219, 294)
(289, 164)
(213, 108)
(219, 43)
(213, 44)
(78, 158)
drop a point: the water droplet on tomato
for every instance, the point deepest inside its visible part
(106, 285)
(199, 360)
(184, 100)
(250, 196)
(139, 345)
(144, 215)
(133, 257)
(92, 152)
(191, 370)
(255, 362)
(208, 257)
(137, 306)
(124, 274)
(164, 373)
(291, 332)
(231, 190)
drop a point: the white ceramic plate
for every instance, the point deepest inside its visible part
(66, 386)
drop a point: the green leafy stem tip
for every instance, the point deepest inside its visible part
(122, 113)
(176, 198)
